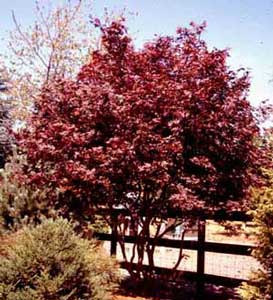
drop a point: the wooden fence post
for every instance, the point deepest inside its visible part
(201, 256)
(114, 233)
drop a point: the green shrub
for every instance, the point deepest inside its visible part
(260, 286)
(51, 262)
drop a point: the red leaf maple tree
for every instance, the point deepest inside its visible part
(167, 125)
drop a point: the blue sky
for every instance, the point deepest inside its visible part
(244, 26)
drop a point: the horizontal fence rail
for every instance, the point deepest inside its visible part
(187, 244)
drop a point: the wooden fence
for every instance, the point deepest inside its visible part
(200, 245)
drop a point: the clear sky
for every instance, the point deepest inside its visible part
(244, 26)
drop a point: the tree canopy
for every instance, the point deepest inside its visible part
(167, 125)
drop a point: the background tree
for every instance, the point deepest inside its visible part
(6, 139)
(166, 126)
(57, 44)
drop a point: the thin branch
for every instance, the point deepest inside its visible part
(169, 228)
(27, 40)
(180, 256)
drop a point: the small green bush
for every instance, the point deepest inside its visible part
(51, 262)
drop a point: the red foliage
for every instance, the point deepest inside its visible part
(166, 125)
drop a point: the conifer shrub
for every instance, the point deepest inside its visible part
(20, 203)
(51, 262)
(260, 286)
